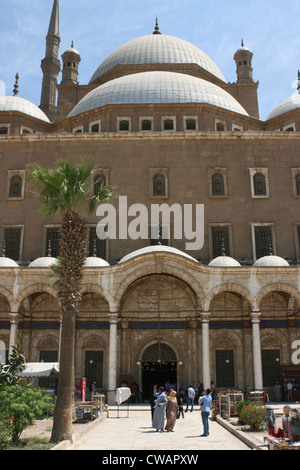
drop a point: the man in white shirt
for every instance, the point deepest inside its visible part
(190, 398)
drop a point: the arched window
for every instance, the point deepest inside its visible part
(15, 187)
(169, 125)
(259, 183)
(124, 126)
(191, 125)
(95, 128)
(146, 125)
(159, 185)
(218, 187)
(3, 130)
(99, 181)
(220, 127)
(298, 184)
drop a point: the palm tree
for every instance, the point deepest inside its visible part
(63, 189)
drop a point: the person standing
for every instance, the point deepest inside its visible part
(152, 400)
(171, 411)
(190, 398)
(277, 391)
(290, 391)
(159, 410)
(206, 402)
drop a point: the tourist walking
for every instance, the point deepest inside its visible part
(171, 411)
(190, 398)
(159, 410)
(206, 402)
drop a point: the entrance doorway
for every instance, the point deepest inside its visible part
(159, 366)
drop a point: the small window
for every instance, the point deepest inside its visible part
(97, 247)
(160, 235)
(218, 187)
(290, 129)
(12, 239)
(95, 128)
(146, 125)
(99, 181)
(298, 184)
(159, 185)
(52, 242)
(220, 241)
(263, 241)
(169, 125)
(15, 187)
(191, 125)
(220, 127)
(259, 183)
(3, 130)
(123, 126)
(79, 131)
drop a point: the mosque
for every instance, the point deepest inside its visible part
(164, 127)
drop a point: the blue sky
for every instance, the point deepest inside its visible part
(270, 28)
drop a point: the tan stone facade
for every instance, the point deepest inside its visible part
(165, 313)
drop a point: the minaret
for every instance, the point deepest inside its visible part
(245, 88)
(243, 58)
(71, 59)
(51, 65)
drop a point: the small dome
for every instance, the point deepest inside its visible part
(156, 249)
(224, 262)
(94, 262)
(44, 262)
(157, 88)
(290, 104)
(158, 49)
(271, 261)
(7, 263)
(14, 103)
(71, 50)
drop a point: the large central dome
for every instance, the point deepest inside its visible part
(157, 88)
(158, 49)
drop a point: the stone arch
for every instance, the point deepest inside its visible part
(99, 290)
(277, 287)
(8, 296)
(151, 292)
(33, 289)
(235, 288)
(164, 270)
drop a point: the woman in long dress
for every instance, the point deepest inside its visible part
(171, 412)
(159, 411)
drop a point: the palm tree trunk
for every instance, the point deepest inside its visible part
(73, 250)
(62, 424)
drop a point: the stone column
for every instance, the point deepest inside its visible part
(257, 360)
(112, 360)
(14, 322)
(205, 350)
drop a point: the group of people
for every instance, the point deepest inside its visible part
(166, 404)
(288, 388)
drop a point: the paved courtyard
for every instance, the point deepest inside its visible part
(136, 433)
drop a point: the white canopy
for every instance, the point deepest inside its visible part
(40, 369)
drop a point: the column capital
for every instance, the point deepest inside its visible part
(255, 317)
(205, 317)
(113, 317)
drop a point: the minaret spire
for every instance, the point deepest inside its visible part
(51, 65)
(298, 88)
(156, 29)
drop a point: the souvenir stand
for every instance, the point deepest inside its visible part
(289, 437)
(228, 403)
